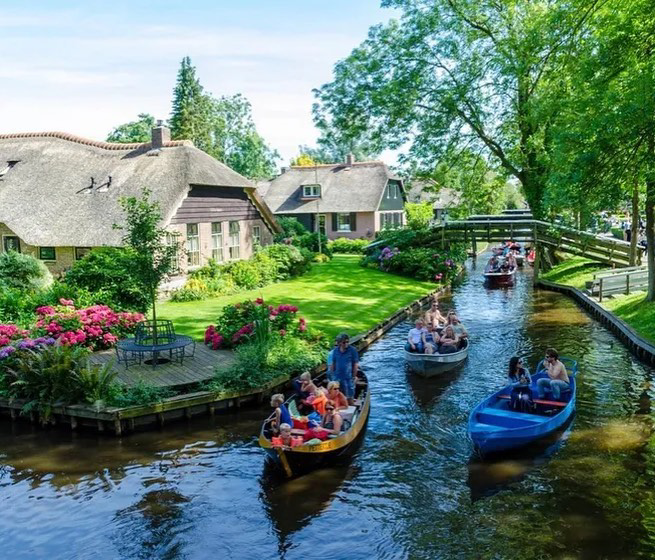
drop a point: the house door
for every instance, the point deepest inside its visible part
(11, 243)
(321, 224)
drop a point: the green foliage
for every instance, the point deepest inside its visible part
(258, 363)
(269, 264)
(345, 245)
(97, 383)
(111, 275)
(223, 127)
(153, 258)
(140, 394)
(48, 377)
(291, 227)
(419, 214)
(303, 159)
(22, 271)
(135, 131)
(310, 241)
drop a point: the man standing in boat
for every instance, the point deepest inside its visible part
(345, 361)
(557, 380)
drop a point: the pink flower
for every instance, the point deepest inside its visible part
(209, 333)
(217, 341)
(259, 301)
(438, 277)
(282, 332)
(302, 327)
(66, 302)
(45, 310)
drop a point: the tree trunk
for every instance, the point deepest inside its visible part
(650, 218)
(634, 226)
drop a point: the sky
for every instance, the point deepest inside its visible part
(85, 67)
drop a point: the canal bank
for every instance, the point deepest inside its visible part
(414, 490)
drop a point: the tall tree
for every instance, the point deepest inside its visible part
(190, 115)
(453, 74)
(134, 131)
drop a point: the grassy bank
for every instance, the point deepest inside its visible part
(574, 271)
(334, 296)
(633, 308)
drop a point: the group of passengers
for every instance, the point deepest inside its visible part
(320, 409)
(436, 334)
(507, 264)
(556, 381)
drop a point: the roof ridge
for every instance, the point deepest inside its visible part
(95, 143)
(342, 164)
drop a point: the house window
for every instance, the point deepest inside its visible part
(11, 243)
(47, 254)
(311, 191)
(397, 219)
(234, 240)
(192, 245)
(5, 169)
(172, 240)
(217, 241)
(81, 252)
(257, 235)
(343, 222)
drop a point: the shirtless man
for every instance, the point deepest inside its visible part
(557, 378)
(433, 316)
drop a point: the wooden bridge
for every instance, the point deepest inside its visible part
(521, 226)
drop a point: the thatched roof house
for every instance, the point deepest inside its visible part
(61, 191)
(428, 190)
(351, 199)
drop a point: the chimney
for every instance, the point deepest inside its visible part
(160, 135)
(350, 159)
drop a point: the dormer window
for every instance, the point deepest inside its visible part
(311, 191)
(4, 170)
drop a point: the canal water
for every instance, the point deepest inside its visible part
(201, 489)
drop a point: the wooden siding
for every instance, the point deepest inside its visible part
(392, 203)
(215, 204)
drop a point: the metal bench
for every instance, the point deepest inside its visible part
(154, 339)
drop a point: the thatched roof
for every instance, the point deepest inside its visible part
(47, 200)
(344, 188)
(427, 190)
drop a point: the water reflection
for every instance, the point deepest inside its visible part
(201, 489)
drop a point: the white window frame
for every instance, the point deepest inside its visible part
(171, 239)
(311, 191)
(193, 245)
(344, 225)
(234, 243)
(257, 235)
(218, 253)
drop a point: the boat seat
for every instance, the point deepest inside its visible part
(348, 413)
(507, 418)
(540, 401)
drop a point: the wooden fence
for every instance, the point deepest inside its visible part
(618, 281)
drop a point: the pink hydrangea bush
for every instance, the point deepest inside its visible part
(236, 323)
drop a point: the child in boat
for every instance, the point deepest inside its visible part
(415, 337)
(281, 415)
(519, 378)
(285, 439)
(318, 400)
(306, 384)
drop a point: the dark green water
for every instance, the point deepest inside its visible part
(202, 490)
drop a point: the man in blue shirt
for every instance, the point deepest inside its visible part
(345, 361)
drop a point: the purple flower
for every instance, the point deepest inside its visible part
(6, 351)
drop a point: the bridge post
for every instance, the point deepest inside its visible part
(537, 255)
(474, 243)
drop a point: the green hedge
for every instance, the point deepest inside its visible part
(345, 245)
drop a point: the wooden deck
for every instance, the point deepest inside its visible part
(193, 370)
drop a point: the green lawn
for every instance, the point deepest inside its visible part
(335, 296)
(635, 311)
(639, 314)
(574, 271)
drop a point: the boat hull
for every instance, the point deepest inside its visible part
(510, 430)
(500, 278)
(431, 365)
(304, 458)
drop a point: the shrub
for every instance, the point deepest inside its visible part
(109, 273)
(139, 394)
(310, 241)
(246, 274)
(288, 259)
(24, 272)
(345, 245)
(291, 227)
(419, 214)
(321, 258)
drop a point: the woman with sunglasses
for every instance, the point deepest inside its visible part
(519, 378)
(332, 420)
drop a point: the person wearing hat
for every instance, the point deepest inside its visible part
(345, 361)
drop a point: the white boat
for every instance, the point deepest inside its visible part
(429, 365)
(500, 278)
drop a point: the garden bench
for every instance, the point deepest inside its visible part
(133, 350)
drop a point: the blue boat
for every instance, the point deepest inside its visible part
(493, 426)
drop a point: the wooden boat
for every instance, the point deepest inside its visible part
(494, 427)
(500, 278)
(429, 365)
(334, 450)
